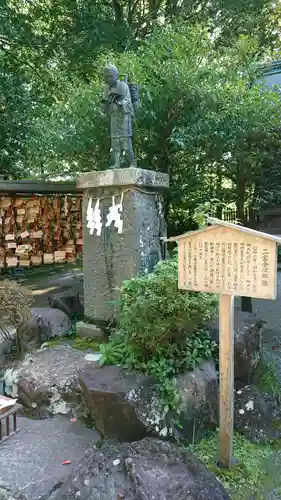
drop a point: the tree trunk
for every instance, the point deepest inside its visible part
(246, 302)
(219, 191)
(118, 12)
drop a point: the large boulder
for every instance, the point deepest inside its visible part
(46, 381)
(110, 393)
(45, 324)
(199, 394)
(126, 406)
(248, 331)
(256, 415)
(68, 301)
(147, 469)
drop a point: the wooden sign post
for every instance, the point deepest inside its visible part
(228, 260)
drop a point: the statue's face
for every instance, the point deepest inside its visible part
(110, 77)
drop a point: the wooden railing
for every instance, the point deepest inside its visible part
(251, 217)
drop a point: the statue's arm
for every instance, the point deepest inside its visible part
(105, 102)
(126, 102)
(105, 106)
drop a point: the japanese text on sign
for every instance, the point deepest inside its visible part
(228, 262)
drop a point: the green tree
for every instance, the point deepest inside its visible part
(203, 120)
(16, 101)
(51, 55)
(71, 34)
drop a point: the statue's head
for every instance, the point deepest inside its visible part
(110, 74)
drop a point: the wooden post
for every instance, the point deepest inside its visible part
(7, 425)
(226, 379)
(228, 260)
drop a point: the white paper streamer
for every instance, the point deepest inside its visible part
(114, 215)
(94, 221)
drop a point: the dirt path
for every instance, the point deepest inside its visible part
(46, 280)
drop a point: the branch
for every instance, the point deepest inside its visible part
(131, 10)
(118, 11)
(17, 58)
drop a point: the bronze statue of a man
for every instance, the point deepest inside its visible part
(117, 104)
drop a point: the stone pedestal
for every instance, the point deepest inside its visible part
(112, 258)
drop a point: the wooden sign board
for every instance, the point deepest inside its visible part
(59, 256)
(33, 202)
(10, 245)
(48, 258)
(225, 261)
(12, 261)
(5, 203)
(36, 234)
(18, 202)
(24, 262)
(10, 237)
(36, 260)
(25, 234)
(228, 260)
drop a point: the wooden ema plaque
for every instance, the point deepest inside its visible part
(228, 260)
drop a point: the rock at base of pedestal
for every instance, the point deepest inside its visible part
(89, 331)
(126, 405)
(140, 470)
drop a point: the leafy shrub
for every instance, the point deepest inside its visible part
(165, 364)
(160, 330)
(155, 314)
(15, 302)
(169, 360)
(15, 308)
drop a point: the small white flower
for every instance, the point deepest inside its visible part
(250, 405)
(116, 462)
(239, 392)
(226, 156)
(241, 411)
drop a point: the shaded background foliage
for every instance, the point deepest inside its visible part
(203, 118)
